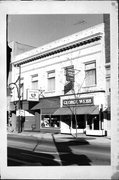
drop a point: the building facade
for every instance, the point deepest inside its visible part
(13, 49)
(63, 85)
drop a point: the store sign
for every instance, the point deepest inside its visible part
(32, 95)
(80, 101)
(70, 73)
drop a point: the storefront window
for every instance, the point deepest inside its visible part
(48, 121)
(80, 122)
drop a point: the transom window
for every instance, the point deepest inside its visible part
(90, 74)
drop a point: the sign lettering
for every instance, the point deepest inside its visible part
(80, 101)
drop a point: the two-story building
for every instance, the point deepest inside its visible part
(63, 85)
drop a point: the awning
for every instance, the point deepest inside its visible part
(78, 110)
(48, 106)
(48, 111)
(47, 103)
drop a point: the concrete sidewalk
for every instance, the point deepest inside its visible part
(64, 137)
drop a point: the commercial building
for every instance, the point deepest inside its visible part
(64, 85)
(13, 49)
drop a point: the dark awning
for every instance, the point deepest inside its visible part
(48, 105)
(48, 111)
(78, 110)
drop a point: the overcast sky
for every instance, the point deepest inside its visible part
(38, 30)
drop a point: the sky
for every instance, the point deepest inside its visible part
(38, 30)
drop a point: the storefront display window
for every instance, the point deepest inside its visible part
(50, 121)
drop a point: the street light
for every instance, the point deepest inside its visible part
(19, 97)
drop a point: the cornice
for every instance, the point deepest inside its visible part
(58, 50)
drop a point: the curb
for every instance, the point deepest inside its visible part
(48, 136)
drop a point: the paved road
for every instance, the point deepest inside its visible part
(61, 151)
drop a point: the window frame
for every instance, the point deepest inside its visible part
(49, 78)
(34, 78)
(89, 70)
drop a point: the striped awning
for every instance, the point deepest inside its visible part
(78, 110)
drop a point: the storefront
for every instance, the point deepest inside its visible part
(46, 120)
(37, 116)
(81, 115)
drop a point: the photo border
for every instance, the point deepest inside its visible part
(60, 7)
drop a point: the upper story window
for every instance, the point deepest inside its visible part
(90, 74)
(34, 81)
(51, 80)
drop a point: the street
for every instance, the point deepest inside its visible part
(57, 150)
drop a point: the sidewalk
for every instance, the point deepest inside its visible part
(64, 137)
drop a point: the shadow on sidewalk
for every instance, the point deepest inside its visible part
(67, 156)
(20, 157)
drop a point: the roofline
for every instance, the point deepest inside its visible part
(59, 49)
(61, 44)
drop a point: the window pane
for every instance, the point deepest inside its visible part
(51, 84)
(34, 84)
(48, 121)
(90, 77)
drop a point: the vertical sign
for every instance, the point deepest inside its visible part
(69, 72)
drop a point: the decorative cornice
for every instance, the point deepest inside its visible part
(59, 50)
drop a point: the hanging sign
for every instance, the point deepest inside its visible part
(69, 72)
(32, 95)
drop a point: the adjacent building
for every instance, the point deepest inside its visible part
(64, 86)
(13, 49)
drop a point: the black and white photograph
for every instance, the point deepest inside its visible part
(59, 93)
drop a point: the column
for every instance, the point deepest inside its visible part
(71, 125)
(13, 119)
(86, 122)
(93, 123)
(100, 123)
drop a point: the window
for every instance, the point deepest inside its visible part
(90, 74)
(51, 81)
(50, 121)
(34, 80)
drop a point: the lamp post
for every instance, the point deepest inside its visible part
(19, 97)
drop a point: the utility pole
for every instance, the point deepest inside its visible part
(18, 87)
(19, 103)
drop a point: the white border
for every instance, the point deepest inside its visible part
(58, 7)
